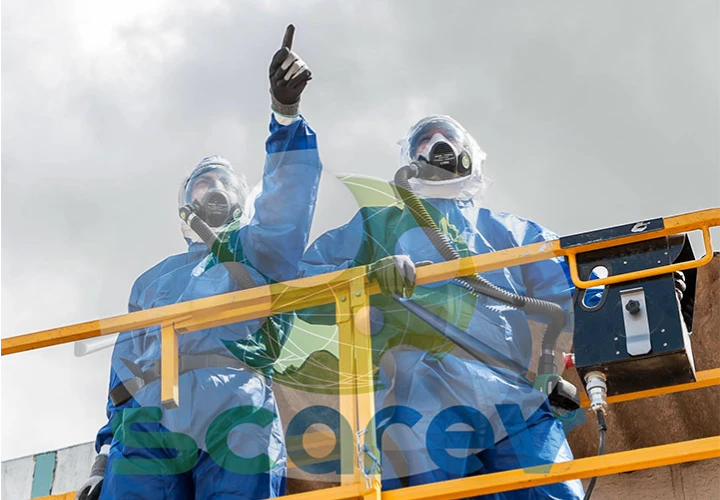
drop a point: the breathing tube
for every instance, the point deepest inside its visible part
(236, 269)
(476, 283)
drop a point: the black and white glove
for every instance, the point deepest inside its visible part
(90, 489)
(289, 76)
(686, 306)
(394, 274)
(680, 285)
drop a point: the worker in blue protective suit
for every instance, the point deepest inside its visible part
(425, 384)
(225, 439)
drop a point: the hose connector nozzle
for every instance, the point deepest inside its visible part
(596, 387)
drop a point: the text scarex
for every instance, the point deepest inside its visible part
(139, 428)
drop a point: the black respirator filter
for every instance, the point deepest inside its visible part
(216, 208)
(449, 165)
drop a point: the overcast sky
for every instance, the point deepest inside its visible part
(592, 114)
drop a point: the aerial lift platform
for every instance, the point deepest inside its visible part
(350, 290)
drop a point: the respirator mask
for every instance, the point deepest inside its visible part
(449, 161)
(215, 193)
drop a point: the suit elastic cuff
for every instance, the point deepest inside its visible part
(285, 110)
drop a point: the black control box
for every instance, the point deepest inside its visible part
(636, 332)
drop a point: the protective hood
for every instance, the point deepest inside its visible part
(418, 144)
(471, 187)
(229, 181)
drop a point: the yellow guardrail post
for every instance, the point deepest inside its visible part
(169, 392)
(346, 384)
(357, 404)
(368, 453)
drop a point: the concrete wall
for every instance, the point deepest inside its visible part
(690, 481)
(17, 478)
(48, 473)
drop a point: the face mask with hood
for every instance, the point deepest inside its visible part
(452, 160)
(217, 192)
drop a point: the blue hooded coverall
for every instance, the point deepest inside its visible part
(225, 440)
(426, 385)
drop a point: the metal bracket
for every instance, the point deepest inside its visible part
(637, 327)
(363, 450)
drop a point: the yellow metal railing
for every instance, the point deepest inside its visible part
(349, 290)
